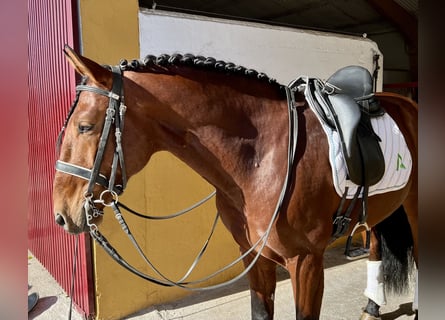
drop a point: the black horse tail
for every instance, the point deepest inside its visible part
(396, 247)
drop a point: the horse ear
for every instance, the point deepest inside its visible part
(87, 68)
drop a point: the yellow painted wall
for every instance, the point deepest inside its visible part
(110, 33)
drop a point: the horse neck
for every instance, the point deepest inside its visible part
(214, 125)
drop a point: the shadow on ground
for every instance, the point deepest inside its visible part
(42, 305)
(405, 309)
(333, 257)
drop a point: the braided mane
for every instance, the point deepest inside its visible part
(165, 62)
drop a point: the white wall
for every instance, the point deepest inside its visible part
(281, 53)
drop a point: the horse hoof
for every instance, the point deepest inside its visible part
(367, 316)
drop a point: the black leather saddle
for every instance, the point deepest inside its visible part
(346, 103)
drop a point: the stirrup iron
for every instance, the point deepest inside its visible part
(358, 253)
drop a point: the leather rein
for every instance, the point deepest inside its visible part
(115, 114)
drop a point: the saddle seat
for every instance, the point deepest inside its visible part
(346, 103)
(355, 83)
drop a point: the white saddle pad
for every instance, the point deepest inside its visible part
(398, 161)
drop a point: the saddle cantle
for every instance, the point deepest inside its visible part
(346, 103)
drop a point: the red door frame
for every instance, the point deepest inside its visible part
(51, 81)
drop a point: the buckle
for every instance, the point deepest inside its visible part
(342, 225)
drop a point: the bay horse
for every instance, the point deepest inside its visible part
(232, 126)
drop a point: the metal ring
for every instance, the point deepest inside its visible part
(88, 195)
(329, 88)
(97, 212)
(114, 196)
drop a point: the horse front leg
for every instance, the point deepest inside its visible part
(307, 276)
(262, 280)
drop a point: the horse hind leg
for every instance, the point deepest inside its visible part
(390, 261)
(411, 208)
(262, 281)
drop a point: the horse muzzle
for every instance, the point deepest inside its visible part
(88, 216)
(68, 225)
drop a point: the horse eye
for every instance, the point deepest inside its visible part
(84, 128)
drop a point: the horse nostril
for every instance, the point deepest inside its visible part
(60, 220)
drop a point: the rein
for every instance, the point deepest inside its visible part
(115, 115)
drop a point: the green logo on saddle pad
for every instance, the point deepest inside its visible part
(400, 164)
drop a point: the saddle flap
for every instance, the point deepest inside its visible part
(371, 152)
(347, 117)
(346, 111)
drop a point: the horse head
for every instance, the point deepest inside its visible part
(81, 177)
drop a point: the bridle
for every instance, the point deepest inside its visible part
(115, 115)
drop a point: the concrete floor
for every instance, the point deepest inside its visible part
(343, 297)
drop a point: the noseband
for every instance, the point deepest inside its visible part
(114, 115)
